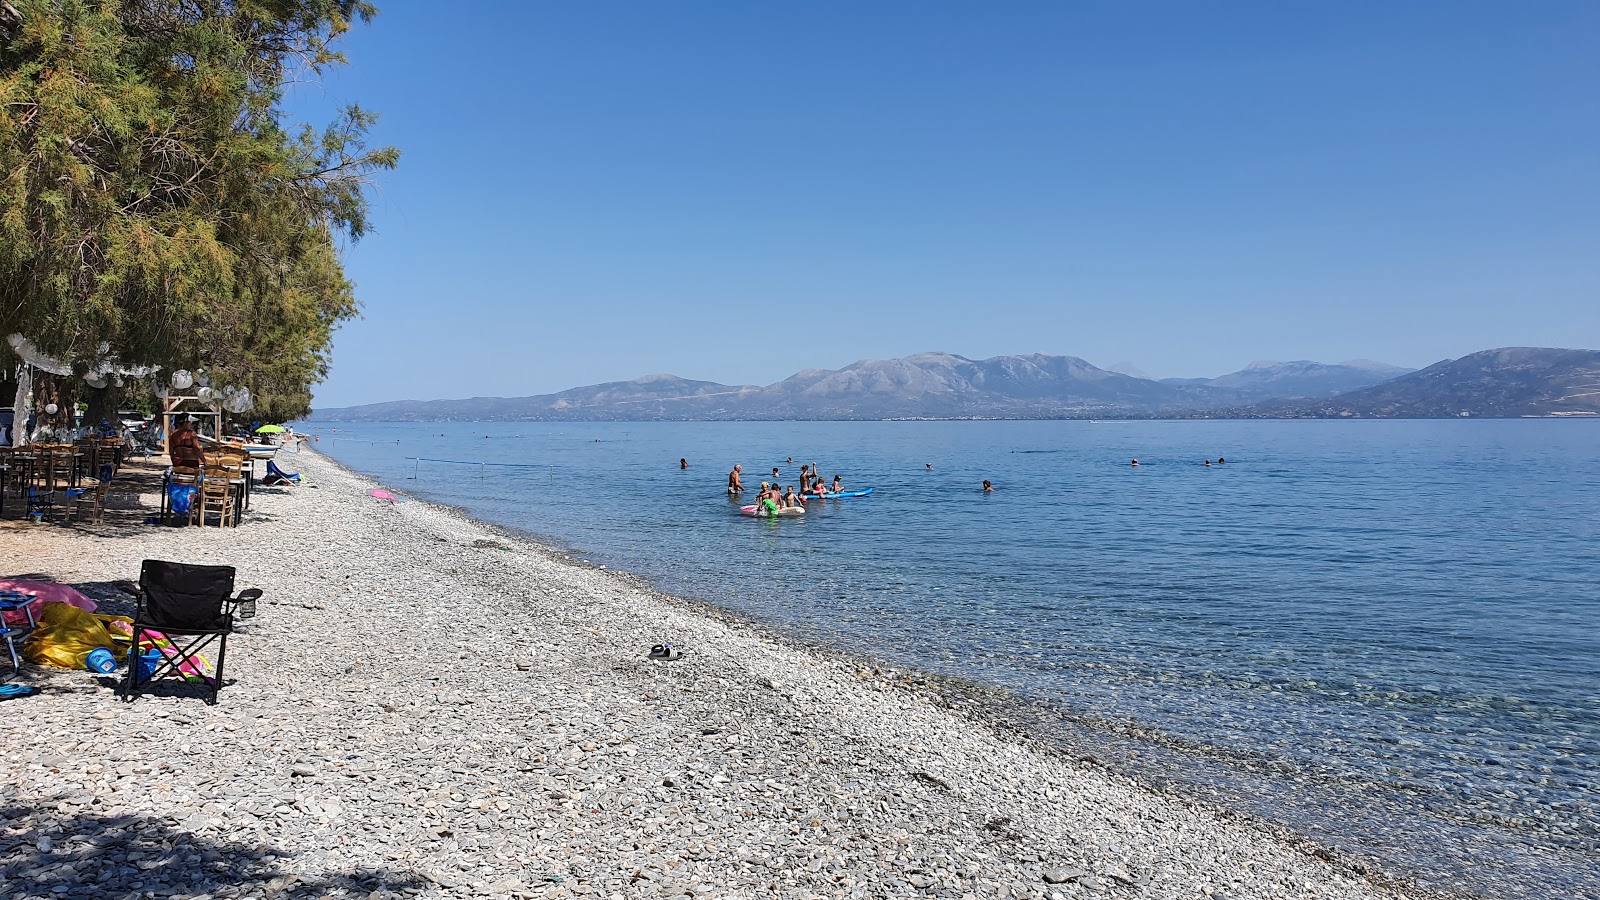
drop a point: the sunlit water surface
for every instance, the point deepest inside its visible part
(1384, 634)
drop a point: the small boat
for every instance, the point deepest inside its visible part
(839, 496)
(754, 511)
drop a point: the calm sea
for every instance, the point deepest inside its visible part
(1385, 634)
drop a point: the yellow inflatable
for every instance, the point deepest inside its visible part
(67, 635)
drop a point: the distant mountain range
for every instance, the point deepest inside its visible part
(1517, 381)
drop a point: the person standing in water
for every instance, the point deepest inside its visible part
(734, 484)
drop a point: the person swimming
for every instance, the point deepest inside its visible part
(928, 467)
(775, 475)
(683, 464)
(987, 487)
(1135, 463)
(1220, 460)
(1208, 463)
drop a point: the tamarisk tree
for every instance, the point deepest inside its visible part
(157, 207)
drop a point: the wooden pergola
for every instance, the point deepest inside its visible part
(175, 405)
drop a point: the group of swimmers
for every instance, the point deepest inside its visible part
(1220, 461)
(811, 484)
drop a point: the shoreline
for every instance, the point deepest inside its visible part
(770, 767)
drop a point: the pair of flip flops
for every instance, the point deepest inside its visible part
(665, 651)
(13, 691)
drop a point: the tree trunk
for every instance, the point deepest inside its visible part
(103, 407)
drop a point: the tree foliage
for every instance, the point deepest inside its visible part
(156, 204)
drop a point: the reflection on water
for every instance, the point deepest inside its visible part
(1349, 626)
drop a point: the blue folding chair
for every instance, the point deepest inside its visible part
(10, 602)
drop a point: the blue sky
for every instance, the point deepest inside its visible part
(733, 192)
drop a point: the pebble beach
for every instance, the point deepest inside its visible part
(429, 706)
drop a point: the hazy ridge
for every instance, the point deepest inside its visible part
(1514, 381)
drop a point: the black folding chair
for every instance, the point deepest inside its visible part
(192, 608)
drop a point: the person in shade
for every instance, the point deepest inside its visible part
(734, 484)
(184, 445)
(987, 487)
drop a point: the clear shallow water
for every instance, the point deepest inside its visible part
(1385, 634)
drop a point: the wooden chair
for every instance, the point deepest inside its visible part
(217, 496)
(94, 496)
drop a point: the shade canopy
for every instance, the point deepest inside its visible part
(271, 429)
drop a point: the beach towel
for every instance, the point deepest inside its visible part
(67, 635)
(46, 592)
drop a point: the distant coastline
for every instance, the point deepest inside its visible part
(1513, 382)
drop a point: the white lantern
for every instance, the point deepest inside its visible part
(95, 380)
(51, 409)
(182, 379)
(203, 393)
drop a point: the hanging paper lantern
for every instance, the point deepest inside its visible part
(51, 409)
(96, 380)
(203, 393)
(182, 379)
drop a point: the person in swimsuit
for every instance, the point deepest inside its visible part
(734, 484)
(771, 500)
(792, 500)
(683, 464)
(805, 477)
(838, 484)
(987, 487)
(184, 445)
